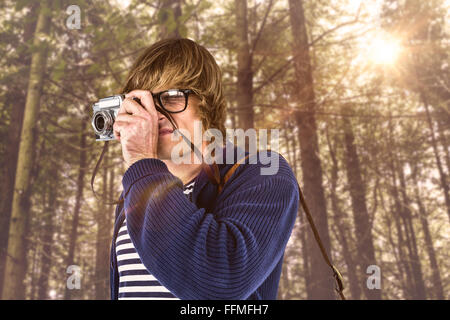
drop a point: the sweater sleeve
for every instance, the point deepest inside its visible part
(224, 254)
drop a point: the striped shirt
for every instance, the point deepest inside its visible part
(135, 281)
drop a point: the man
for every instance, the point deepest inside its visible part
(175, 235)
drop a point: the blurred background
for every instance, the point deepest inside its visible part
(360, 91)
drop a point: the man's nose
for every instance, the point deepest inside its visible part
(161, 116)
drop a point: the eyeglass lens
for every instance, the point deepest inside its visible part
(173, 100)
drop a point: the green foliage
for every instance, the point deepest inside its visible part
(59, 70)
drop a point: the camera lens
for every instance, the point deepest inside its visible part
(100, 122)
(103, 122)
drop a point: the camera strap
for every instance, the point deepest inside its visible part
(339, 285)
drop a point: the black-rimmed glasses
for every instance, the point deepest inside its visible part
(173, 100)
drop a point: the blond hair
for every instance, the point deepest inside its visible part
(183, 64)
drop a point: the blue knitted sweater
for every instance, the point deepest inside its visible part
(226, 246)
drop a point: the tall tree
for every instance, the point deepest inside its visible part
(15, 98)
(15, 268)
(423, 216)
(416, 267)
(321, 284)
(169, 20)
(413, 282)
(442, 175)
(340, 226)
(70, 258)
(244, 85)
(47, 237)
(102, 218)
(363, 228)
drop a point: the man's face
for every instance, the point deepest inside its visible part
(184, 120)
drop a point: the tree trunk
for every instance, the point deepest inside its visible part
(416, 267)
(416, 286)
(294, 147)
(103, 237)
(284, 292)
(321, 281)
(288, 145)
(244, 86)
(342, 232)
(436, 278)
(112, 195)
(15, 268)
(443, 177)
(443, 139)
(306, 274)
(8, 174)
(363, 229)
(15, 97)
(397, 212)
(170, 24)
(68, 294)
(301, 235)
(47, 239)
(33, 272)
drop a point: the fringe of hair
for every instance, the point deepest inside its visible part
(183, 64)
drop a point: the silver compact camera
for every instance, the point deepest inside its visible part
(105, 113)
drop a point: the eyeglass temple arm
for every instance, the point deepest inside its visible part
(175, 128)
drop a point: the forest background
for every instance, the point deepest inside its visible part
(360, 91)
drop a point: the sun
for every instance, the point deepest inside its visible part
(384, 50)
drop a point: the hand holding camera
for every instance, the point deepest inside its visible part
(142, 108)
(134, 124)
(136, 127)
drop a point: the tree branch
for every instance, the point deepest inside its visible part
(258, 36)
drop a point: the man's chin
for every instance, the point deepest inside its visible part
(165, 152)
(163, 156)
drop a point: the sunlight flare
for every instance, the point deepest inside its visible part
(384, 50)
